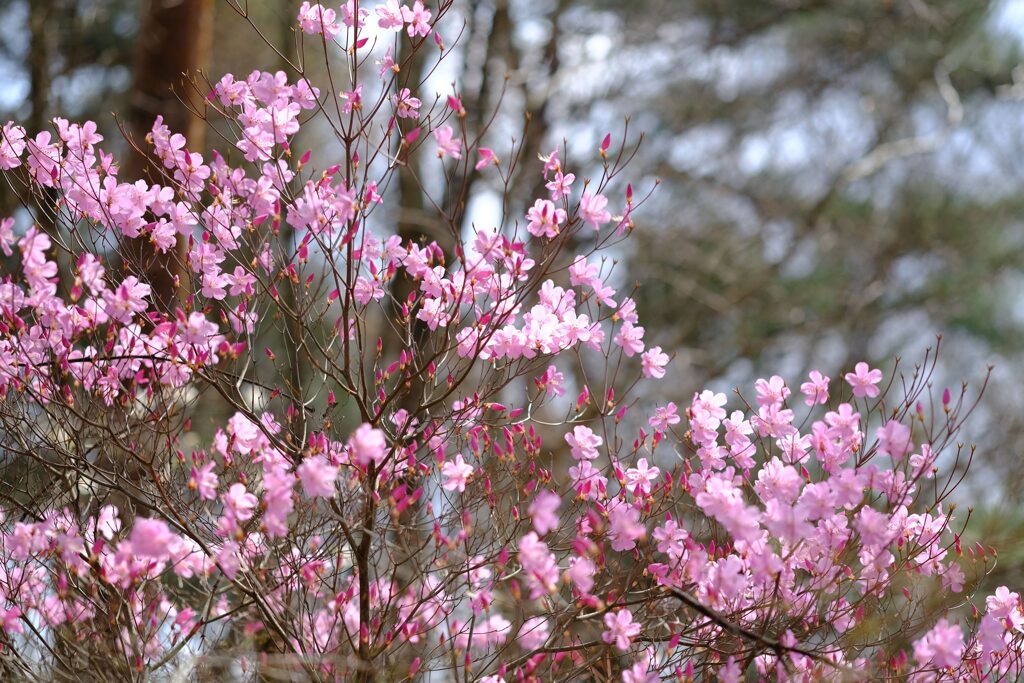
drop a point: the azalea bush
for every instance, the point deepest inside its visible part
(338, 453)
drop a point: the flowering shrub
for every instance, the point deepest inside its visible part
(404, 508)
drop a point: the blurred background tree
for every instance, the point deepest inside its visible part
(839, 180)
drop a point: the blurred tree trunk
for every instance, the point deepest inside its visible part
(40, 61)
(40, 57)
(173, 44)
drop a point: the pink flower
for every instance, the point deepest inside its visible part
(544, 511)
(653, 362)
(816, 390)
(353, 99)
(552, 381)
(664, 417)
(943, 646)
(583, 443)
(1005, 604)
(772, 391)
(7, 239)
(198, 330)
(368, 445)
(539, 565)
(583, 273)
(992, 635)
(389, 16)
(624, 526)
(205, 481)
(277, 488)
(128, 299)
(349, 14)
(387, 65)
(447, 144)
(722, 500)
(604, 295)
(551, 162)
(108, 523)
(318, 477)
(12, 146)
(621, 629)
(534, 633)
(486, 158)
(638, 673)
(873, 527)
(494, 630)
(592, 210)
(630, 338)
(408, 107)
(844, 423)
(581, 573)
(642, 476)
(671, 537)
(456, 474)
(863, 380)
(151, 538)
(11, 619)
(239, 503)
(709, 406)
(418, 19)
(730, 671)
(560, 186)
(317, 19)
(228, 559)
(588, 480)
(544, 219)
(894, 439)
(366, 290)
(786, 522)
(455, 104)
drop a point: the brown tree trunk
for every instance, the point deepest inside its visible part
(173, 44)
(41, 39)
(42, 47)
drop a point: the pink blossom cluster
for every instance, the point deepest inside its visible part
(469, 498)
(806, 549)
(392, 16)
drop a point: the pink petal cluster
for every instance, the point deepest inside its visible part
(324, 514)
